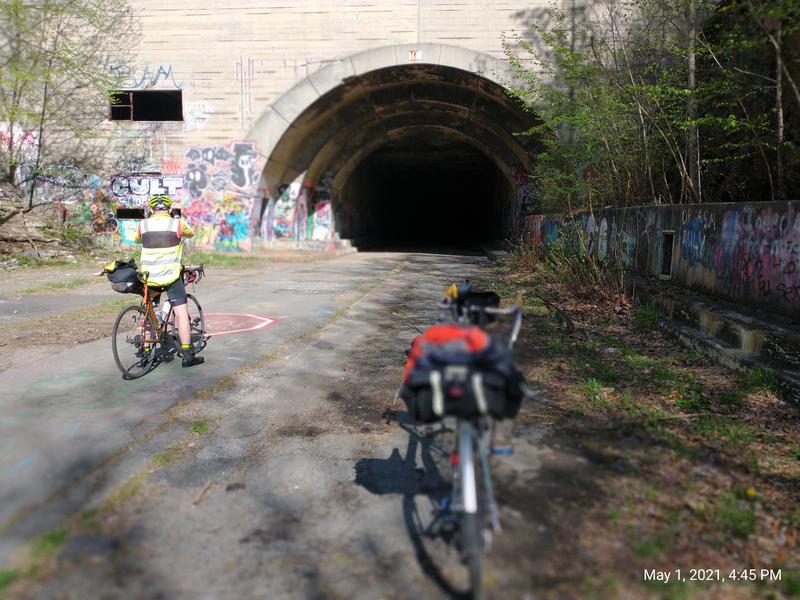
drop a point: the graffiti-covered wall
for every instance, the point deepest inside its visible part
(301, 212)
(744, 252)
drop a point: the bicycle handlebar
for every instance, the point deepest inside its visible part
(480, 310)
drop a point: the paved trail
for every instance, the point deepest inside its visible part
(301, 488)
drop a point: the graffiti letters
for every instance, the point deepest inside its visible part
(133, 77)
(133, 191)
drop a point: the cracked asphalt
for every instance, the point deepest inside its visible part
(304, 481)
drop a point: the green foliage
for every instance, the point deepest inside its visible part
(200, 427)
(47, 543)
(735, 515)
(567, 263)
(7, 577)
(758, 378)
(645, 317)
(54, 81)
(652, 546)
(626, 119)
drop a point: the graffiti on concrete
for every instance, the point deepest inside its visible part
(127, 231)
(756, 251)
(221, 220)
(302, 211)
(283, 214)
(53, 183)
(748, 253)
(148, 147)
(197, 114)
(132, 191)
(214, 168)
(130, 77)
(221, 184)
(322, 224)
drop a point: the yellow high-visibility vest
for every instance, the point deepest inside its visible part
(161, 250)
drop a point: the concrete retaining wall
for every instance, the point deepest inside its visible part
(744, 252)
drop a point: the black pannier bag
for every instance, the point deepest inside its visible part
(460, 371)
(124, 277)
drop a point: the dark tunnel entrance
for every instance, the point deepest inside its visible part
(425, 190)
(407, 154)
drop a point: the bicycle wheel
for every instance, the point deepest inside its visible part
(134, 342)
(471, 522)
(197, 323)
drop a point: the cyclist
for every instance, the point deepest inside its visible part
(161, 238)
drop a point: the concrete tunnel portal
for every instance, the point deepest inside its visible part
(414, 153)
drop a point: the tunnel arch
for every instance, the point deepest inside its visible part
(337, 119)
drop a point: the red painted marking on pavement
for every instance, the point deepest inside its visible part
(235, 323)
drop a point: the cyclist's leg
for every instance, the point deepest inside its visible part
(177, 298)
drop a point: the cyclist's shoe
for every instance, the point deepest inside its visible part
(188, 359)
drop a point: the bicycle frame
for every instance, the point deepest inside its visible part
(465, 485)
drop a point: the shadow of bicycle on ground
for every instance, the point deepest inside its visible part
(425, 491)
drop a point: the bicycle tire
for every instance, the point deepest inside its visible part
(197, 323)
(472, 550)
(124, 336)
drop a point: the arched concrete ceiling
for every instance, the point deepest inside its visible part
(334, 118)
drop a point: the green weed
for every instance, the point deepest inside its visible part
(200, 427)
(222, 259)
(732, 398)
(126, 491)
(652, 546)
(645, 317)
(729, 431)
(794, 451)
(790, 584)
(637, 361)
(693, 357)
(691, 394)
(758, 378)
(166, 457)
(735, 516)
(7, 577)
(57, 285)
(47, 543)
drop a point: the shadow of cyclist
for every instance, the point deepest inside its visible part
(400, 475)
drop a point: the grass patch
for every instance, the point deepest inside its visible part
(736, 516)
(638, 361)
(645, 317)
(726, 430)
(652, 546)
(200, 427)
(758, 378)
(7, 577)
(166, 457)
(56, 285)
(691, 394)
(126, 491)
(222, 259)
(46, 544)
(733, 398)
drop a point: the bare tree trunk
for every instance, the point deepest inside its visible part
(692, 137)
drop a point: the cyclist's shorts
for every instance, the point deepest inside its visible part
(176, 292)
